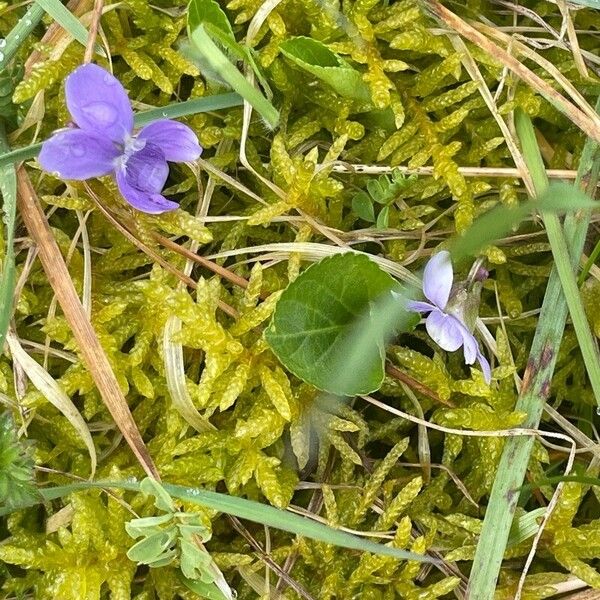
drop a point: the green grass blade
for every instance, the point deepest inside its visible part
(19, 33)
(219, 63)
(20, 154)
(189, 107)
(69, 22)
(588, 264)
(587, 344)
(286, 521)
(542, 360)
(171, 111)
(243, 509)
(496, 223)
(8, 188)
(560, 251)
(525, 527)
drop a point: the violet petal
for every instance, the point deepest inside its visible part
(445, 330)
(98, 102)
(485, 367)
(148, 202)
(437, 279)
(470, 346)
(77, 154)
(420, 307)
(177, 141)
(147, 169)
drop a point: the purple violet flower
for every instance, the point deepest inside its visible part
(445, 325)
(103, 141)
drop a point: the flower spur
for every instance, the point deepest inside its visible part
(103, 141)
(445, 324)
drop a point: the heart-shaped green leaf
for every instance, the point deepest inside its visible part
(319, 317)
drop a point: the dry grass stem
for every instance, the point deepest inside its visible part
(587, 120)
(93, 32)
(492, 172)
(154, 255)
(412, 383)
(55, 33)
(89, 346)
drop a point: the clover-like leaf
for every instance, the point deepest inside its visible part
(153, 547)
(383, 218)
(146, 526)
(362, 205)
(162, 501)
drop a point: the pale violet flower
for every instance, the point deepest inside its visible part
(445, 323)
(103, 141)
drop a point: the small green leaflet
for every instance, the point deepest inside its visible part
(362, 205)
(316, 58)
(173, 536)
(204, 590)
(17, 477)
(318, 317)
(382, 190)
